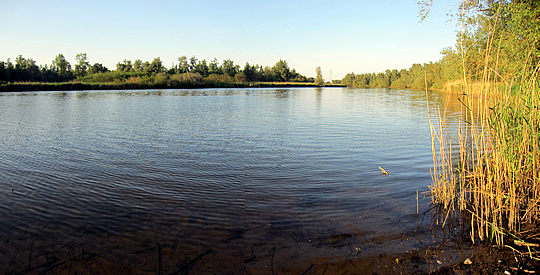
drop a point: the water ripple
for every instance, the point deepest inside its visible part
(206, 166)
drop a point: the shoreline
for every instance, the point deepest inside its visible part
(77, 86)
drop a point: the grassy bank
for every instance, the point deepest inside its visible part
(67, 86)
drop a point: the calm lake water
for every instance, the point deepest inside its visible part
(211, 180)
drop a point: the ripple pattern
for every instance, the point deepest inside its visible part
(224, 169)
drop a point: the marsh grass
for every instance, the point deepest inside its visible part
(496, 177)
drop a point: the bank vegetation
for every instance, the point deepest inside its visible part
(26, 75)
(490, 173)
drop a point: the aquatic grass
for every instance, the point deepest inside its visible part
(495, 181)
(496, 178)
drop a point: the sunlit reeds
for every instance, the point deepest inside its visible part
(496, 178)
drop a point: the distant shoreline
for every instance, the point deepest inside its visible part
(75, 86)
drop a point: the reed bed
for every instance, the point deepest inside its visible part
(496, 177)
(494, 180)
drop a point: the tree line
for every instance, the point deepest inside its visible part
(500, 41)
(415, 77)
(187, 71)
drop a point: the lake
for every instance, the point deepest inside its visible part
(225, 181)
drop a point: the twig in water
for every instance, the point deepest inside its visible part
(185, 269)
(307, 270)
(416, 202)
(272, 262)
(158, 259)
(142, 250)
(30, 255)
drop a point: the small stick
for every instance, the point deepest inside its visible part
(310, 267)
(272, 262)
(522, 243)
(416, 202)
(186, 267)
(30, 255)
(158, 259)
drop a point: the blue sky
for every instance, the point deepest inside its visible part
(342, 36)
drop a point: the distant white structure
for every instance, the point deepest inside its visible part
(330, 76)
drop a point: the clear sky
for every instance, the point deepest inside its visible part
(343, 36)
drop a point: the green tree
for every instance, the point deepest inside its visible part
(82, 65)
(499, 39)
(249, 72)
(61, 66)
(25, 69)
(145, 65)
(192, 63)
(319, 78)
(202, 68)
(281, 71)
(183, 65)
(296, 77)
(97, 68)
(240, 78)
(214, 67)
(3, 72)
(156, 66)
(364, 80)
(229, 67)
(125, 66)
(137, 65)
(349, 79)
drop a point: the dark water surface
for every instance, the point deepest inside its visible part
(226, 181)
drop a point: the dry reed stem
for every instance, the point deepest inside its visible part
(498, 171)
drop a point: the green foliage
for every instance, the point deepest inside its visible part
(82, 65)
(249, 72)
(229, 68)
(497, 59)
(111, 76)
(201, 68)
(26, 70)
(125, 66)
(183, 66)
(500, 40)
(319, 79)
(281, 71)
(61, 66)
(137, 65)
(187, 73)
(156, 67)
(219, 79)
(214, 67)
(415, 77)
(240, 78)
(97, 68)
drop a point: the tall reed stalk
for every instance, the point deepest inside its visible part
(496, 178)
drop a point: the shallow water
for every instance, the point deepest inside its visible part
(235, 181)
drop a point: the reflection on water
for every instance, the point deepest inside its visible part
(236, 181)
